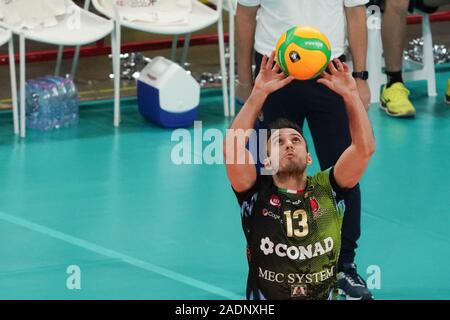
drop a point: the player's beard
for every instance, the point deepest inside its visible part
(293, 168)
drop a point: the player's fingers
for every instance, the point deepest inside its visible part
(346, 68)
(287, 80)
(271, 60)
(331, 67)
(263, 62)
(282, 74)
(339, 65)
(326, 75)
(276, 67)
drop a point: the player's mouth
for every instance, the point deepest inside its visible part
(289, 155)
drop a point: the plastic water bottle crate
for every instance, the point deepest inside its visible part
(51, 103)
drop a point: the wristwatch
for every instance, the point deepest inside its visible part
(361, 75)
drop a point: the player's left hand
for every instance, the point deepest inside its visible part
(339, 79)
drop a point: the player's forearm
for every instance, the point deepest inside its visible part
(245, 35)
(360, 128)
(357, 36)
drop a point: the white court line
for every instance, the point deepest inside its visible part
(117, 255)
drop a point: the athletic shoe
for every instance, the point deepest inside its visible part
(351, 285)
(395, 102)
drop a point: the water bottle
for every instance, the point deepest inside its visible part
(51, 103)
(55, 102)
(60, 101)
(47, 117)
(32, 90)
(72, 99)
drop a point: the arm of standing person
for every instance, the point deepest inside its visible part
(357, 39)
(245, 39)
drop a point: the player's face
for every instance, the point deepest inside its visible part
(288, 148)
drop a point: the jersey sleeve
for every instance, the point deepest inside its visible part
(247, 199)
(326, 179)
(325, 184)
(340, 192)
(355, 3)
(248, 194)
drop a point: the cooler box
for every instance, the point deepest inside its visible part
(167, 94)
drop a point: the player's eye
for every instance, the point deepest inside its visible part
(296, 140)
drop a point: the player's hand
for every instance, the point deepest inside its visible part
(339, 79)
(270, 78)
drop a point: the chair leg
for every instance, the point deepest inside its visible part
(187, 40)
(173, 51)
(113, 54)
(22, 84)
(115, 50)
(232, 57)
(59, 61)
(428, 59)
(222, 66)
(76, 58)
(12, 71)
(87, 3)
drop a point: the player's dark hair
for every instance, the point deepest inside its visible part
(283, 123)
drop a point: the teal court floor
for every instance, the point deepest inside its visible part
(111, 202)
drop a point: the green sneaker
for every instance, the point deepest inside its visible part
(447, 92)
(395, 102)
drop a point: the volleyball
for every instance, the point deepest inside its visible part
(303, 52)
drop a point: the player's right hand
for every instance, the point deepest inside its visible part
(270, 78)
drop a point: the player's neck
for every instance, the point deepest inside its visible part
(293, 181)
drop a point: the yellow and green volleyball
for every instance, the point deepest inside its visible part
(303, 52)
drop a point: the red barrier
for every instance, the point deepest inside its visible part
(101, 49)
(435, 17)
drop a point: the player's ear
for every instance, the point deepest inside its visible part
(308, 159)
(267, 163)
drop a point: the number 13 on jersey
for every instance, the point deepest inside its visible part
(300, 219)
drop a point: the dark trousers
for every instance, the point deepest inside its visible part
(327, 119)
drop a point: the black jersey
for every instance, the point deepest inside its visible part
(293, 238)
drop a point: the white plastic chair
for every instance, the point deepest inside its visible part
(78, 27)
(375, 60)
(76, 55)
(6, 37)
(199, 18)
